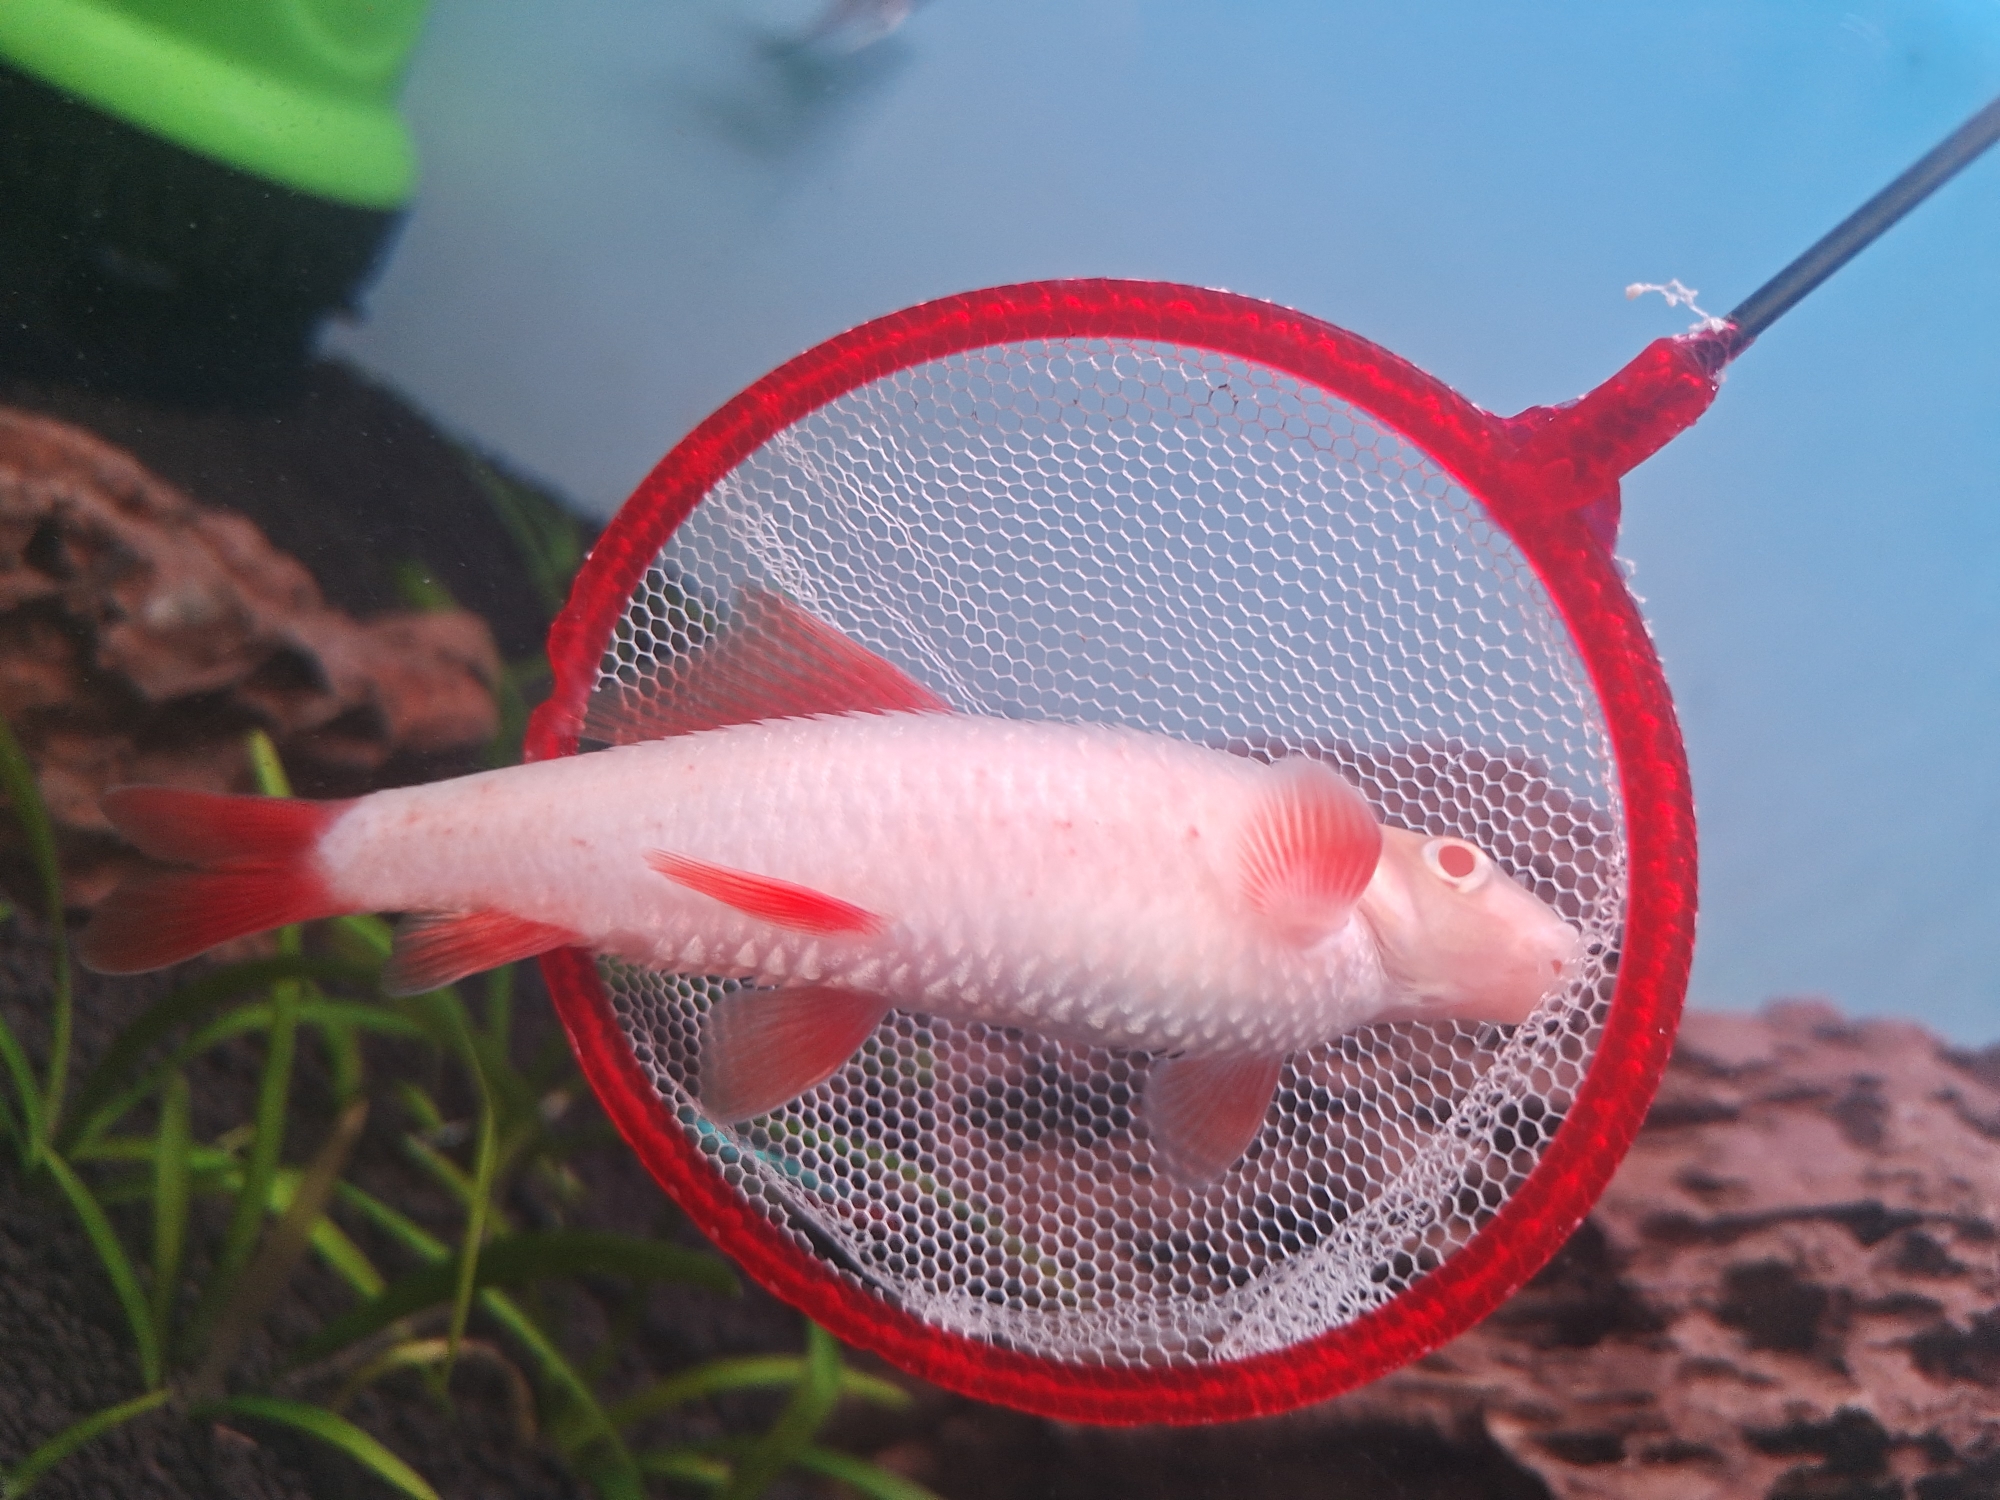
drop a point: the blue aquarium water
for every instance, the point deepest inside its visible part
(629, 211)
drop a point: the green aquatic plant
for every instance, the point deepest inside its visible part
(551, 545)
(430, 1301)
(545, 536)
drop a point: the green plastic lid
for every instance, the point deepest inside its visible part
(301, 92)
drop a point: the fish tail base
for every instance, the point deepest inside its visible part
(253, 869)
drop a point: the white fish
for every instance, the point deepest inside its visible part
(1097, 884)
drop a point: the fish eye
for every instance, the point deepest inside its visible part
(1458, 864)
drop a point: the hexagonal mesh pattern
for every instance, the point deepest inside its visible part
(1185, 543)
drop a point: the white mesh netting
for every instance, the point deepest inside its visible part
(1181, 542)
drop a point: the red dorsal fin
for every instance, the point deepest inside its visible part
(255, 870)
(779, 902)
(1202, 1113)
(765, 1048)
(1309, 851)
(773, 661)
(434, 949)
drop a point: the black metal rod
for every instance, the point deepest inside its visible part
(1859, 229)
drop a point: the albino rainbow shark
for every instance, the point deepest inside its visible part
(806, 817)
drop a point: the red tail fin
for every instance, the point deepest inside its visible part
(254, 870)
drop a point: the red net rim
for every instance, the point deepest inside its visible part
(1609, 636)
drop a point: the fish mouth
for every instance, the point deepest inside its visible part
(1567, 961)
(1540, 969)
(1562, 959)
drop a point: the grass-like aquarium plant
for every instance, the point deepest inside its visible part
(119, 1145)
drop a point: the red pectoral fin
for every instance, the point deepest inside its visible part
(1202, 1113)
(1308, 852)
(776, 901)
(771, 660)
(434, 949)
(765, 1048)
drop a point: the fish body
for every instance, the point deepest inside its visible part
(1074, 879)
(861, 850)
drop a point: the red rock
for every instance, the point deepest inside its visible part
(142, 635)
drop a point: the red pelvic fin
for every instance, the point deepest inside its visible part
(763, 1049)
(1202, 1113)
(256, 871)
(1309, 852)
(434, 949)
(778, 902)
(774, 661)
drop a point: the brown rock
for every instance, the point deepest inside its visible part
(142, 635)
(1790, 1290)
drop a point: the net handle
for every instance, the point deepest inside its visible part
(1862, 228)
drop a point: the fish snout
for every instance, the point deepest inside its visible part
(1561, 953)
(1473, 945)
(1543, 955)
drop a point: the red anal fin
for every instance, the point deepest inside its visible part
(434, 949)
(255, 870)
(1202, 1113)
(1308, 852)
(774, 661)
(778, 902)
(763, 1049)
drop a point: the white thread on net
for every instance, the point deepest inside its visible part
(1678, 296)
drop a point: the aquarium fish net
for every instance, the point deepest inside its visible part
(1127, 531)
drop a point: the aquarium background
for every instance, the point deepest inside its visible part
(632, 208)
